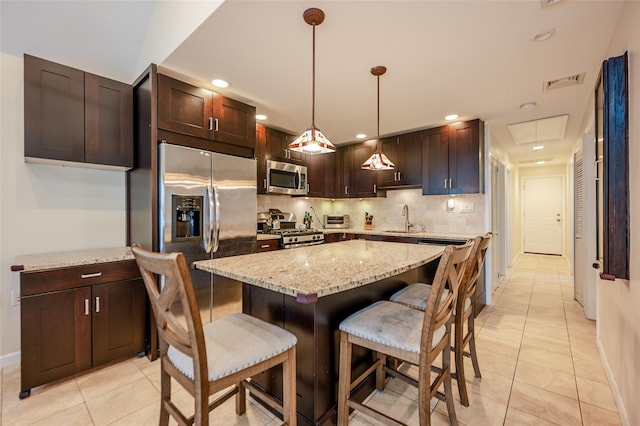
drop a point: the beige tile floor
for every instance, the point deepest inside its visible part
(537, 354)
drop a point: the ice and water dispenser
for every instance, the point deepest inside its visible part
(187, 217)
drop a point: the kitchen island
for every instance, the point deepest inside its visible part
(309, 291)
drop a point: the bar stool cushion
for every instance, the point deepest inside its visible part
(235, 342)
(416, 295)
(390, 324)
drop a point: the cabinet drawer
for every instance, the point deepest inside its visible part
(267, 245)
(37, 282)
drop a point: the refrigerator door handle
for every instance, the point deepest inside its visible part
(216, 220)
(208, 231)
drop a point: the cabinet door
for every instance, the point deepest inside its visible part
(118, 320)
(184, 108)
(261, 159)
(54, 110)
(391, 148)
(236, 122)
(465, 158)
(278, 147)
(108, 122)
(362, 183)
(410, 146)
(341, 174)
(56, 336)
(316, 174)
(277, 144)
(435, 162)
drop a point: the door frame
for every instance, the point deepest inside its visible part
(563, 209)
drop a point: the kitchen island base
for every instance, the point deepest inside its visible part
(316, 325)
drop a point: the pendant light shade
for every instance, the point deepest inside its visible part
(378, 161)
(313, 141)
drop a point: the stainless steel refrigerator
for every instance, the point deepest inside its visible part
(207, 210)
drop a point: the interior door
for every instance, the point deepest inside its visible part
(543, 215)
(497, 221)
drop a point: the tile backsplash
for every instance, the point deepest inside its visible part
(467, 216)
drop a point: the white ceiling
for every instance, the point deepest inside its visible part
(473, 58)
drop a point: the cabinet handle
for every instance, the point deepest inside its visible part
(450, 186)
(264, 183)
(97, 304)
(86, 306)
(445, 184)
(375, 188)
(399, 178)
(210, 123)
(215, 125)
(264, 246)
(93, 275)
(346, 190)
(595, 168)
(308, 187)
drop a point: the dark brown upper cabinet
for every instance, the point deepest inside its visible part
(73, 116)
(452, 159)
(405, 151)
(361, 183)
(108, 121)
(277, 144)
(321, 173)
(194, 111)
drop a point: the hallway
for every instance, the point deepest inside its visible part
(537, 354)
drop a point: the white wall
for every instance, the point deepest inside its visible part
(45, 208)
(618, 302)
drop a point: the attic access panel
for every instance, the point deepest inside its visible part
(537, 131)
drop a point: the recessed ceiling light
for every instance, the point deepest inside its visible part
(544, 35)
(261, 117)
(528, 106)
(361, 136)
(220, 83)
(451, 117)
(538, 147)
(539, 162)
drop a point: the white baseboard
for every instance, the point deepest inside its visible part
(10, 359)
(622, 410)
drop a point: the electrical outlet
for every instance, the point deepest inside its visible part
(15, 297)
(469, 208)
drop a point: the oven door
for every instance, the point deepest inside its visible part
(286, 178)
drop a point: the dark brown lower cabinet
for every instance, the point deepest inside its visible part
(76, 318)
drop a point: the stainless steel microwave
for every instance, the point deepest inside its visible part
(286, 178)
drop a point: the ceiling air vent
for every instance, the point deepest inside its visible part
(572, 80)
(547, 3)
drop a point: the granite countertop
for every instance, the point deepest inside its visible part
(308, 273)
(63, 259)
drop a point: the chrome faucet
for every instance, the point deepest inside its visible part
(405, 213)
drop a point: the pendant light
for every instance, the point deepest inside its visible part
(378, 161)
(313, 141)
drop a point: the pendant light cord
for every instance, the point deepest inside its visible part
(378, 129)
(313, 83)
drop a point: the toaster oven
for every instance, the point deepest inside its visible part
(336, 221)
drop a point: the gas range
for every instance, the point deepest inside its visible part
(290, 238)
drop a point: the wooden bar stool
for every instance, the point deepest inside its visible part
(407, 334)
(222, 354)
(416, 295)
